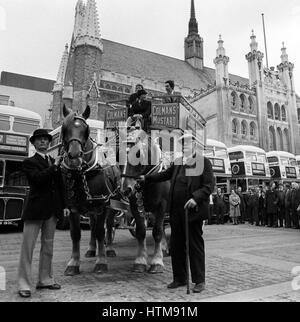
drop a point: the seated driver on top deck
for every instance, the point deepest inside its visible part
(140, 111)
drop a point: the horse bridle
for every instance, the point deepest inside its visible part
(74, 139)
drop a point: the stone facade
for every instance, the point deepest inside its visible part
(260, 111)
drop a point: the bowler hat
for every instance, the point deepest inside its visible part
(38, 133)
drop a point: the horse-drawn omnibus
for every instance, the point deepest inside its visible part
(16, 126)
(249, 167)
(283, 166)
(217, 153)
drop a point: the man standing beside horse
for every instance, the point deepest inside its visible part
(44, 206)
(192, 182)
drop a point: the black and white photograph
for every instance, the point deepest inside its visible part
(149, 153)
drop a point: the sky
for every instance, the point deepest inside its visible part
(33, 33)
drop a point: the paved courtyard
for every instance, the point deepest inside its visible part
(244, 263)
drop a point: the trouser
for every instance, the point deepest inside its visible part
(210, 214)
(261, 217)
(295, 218)
(272, 219)
(243, 215)
(219, 212)
(281, 216)
(287, 223)
(30, 233)
(252, 213)
(178, 249)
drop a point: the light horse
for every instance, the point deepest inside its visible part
(144, 157)
(88, 184)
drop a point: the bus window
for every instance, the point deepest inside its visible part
(4, 122)
(14, 176)
(261, 158)
(23, 125)
(221, 153)
(293, 162)
(284, 161)
(1, 172)
(251, 157)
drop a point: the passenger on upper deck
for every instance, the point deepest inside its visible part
(133, 97)
(140, 111)
(170, 85)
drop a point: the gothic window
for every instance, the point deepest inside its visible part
(251, 104)
(243, 101)
(283, 114)
(252, 130)
(272, 140)
(127, 90)
(114, 88)
(244, 128)
(107, 86)
(280, 139)
(270, 110)
(235, 129)
(120, 89)
(277, 112)
(233, 100)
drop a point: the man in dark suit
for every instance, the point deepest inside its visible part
(44, 206)
(140, 110)
(170, 96)
(192, 182)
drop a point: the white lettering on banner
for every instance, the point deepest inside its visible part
(2, 279)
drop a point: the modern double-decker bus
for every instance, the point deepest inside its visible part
(283, 166)
(217, 153)
(249, 167)
(16, 127)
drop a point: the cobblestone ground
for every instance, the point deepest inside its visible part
(243, 263)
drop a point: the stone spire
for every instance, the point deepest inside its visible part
(254, 43)
(86, 29)
(284, 56)
(221, 49)
(193, 24)
(193, 43)
(62, 70)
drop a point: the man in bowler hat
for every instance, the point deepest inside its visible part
(190, 189)
(45, 204)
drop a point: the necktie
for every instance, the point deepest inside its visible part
(48, 160)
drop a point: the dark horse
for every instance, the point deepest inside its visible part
(89, 186)
(143, 157)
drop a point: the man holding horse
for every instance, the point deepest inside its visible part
(192, 182)
(44, 206)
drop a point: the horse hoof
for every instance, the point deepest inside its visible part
(166, 253)
(111, 253)
(155, 269)
(139, 268)
(72, 270)
(90, 253)
(101, 268)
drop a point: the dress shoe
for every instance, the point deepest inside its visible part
(54, 286)
(176, 284)
(24, 293)
(198, 288)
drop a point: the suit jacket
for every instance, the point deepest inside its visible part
(143, 108)
(199, 187)
(46, 189)
(271, 201)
